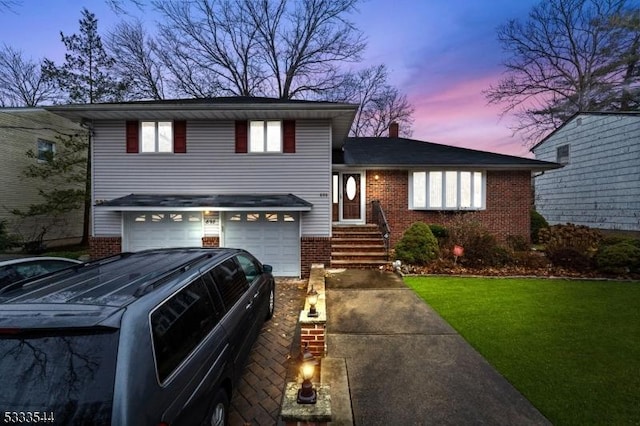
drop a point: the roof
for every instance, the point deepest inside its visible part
(574, 116)
(340, 115)
(199, 202)
(94, 291)
(409, 153)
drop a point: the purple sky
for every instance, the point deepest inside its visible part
(441, 53)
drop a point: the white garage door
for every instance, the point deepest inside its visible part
(274, 238)
(147, 230)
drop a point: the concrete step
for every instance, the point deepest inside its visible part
(359, 254)
(356, 264)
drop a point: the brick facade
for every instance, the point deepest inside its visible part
(314, 250)
(104, 246)
(508, 203)
(312, 336)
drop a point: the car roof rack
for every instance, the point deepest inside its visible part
(61, 272)
(117, 285)
(158, 281)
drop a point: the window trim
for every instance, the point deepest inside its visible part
(443, 192)
(265, 142)
(44, 141)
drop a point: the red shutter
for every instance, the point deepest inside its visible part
(289, 136)
(242, 143)
(132, 137)
(180, 137)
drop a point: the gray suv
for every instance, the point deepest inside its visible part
(147, 338)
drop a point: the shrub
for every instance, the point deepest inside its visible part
(517, 243)
(439, 231)
(564, 242)
(614, 239)
(529, 259)
(618, 258)
(6, 241)
(538, 222)
(417, 246)
(570, 258)
(480, 246)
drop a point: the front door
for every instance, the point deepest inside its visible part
(351, 196)
(347, 197)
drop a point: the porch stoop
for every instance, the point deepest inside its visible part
(357, 246)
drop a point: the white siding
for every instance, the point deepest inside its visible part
(600, 186)
(211, 166)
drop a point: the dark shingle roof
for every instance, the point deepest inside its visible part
(212, 201)
(224, 100)
(401, 152)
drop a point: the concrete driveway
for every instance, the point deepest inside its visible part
(406, 365)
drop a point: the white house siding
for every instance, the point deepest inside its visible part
(600, 186)
(211, 166)
(20, 129)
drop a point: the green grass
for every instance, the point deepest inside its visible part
(571, 347)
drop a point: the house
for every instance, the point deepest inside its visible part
(275, 177)
(35, 129)
(599, 185)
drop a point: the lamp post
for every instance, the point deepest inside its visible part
(307, 394)
(312, 298)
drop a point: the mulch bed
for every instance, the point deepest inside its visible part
(448, 268)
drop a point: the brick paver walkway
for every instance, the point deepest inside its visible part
(257, 398)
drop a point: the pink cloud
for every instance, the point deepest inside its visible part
(457, 114)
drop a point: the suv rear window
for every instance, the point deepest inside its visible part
(67, 375)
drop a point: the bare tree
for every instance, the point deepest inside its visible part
(8, 5)
(567, 57)
(137, 61)
(257, 48)
(21, 80)
(305, 45)
(119, 8)
(380, 103)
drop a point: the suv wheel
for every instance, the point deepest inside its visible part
(272, 301)
(220, 409)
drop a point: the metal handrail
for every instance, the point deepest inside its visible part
(380, 219)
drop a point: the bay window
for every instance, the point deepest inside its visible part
(447, 190)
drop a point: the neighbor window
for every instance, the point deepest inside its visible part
(265, 136)
(156, 136)
(447, 190)
(46, 150)
(562, 154)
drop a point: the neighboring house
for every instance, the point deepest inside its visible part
(275, 176)
(35, 129)
(599, 185)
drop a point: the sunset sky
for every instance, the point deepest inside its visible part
(440, 53)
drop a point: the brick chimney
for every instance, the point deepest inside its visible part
(394, 129)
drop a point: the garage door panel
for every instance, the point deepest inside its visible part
(273, 237)
(148, 230)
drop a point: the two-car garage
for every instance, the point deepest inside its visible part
(273, 236)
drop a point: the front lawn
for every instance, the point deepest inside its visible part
(571, 347)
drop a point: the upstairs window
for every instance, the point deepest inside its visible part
(447, 190)
(46, 150)
(156, 136)
(562, 154)
(265, 136)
